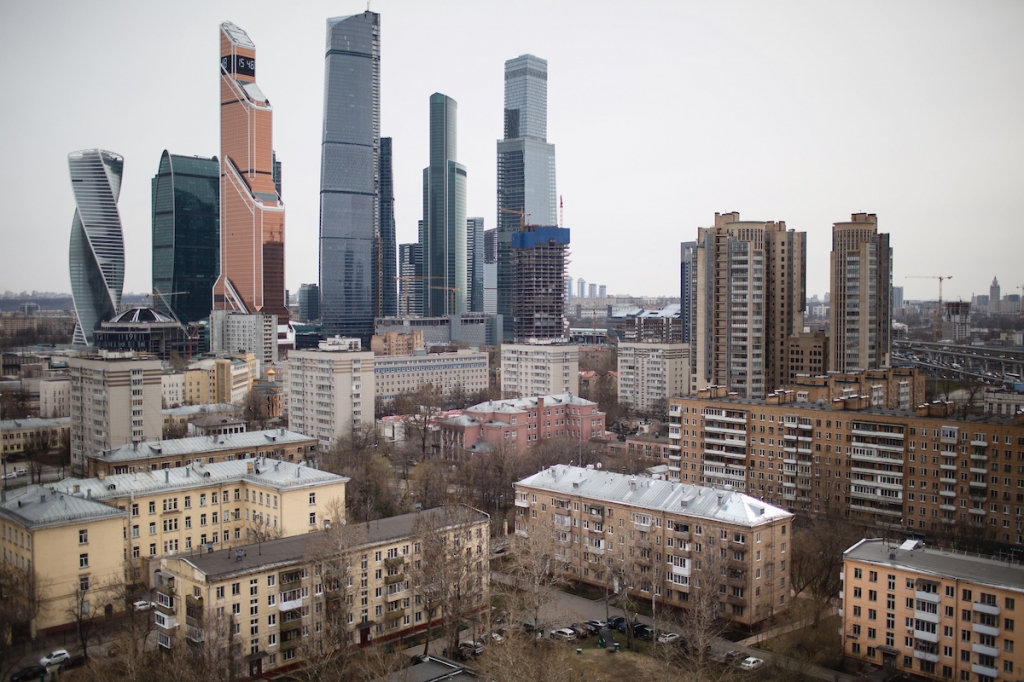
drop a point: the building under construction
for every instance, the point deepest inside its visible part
(538, 308)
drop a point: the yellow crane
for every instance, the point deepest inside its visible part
(403, 280)
(937, 329)
(522, 216)
(451, 296)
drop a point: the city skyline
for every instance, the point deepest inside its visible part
(920, 129)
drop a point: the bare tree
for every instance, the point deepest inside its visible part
(703, 621)
(420, 411)
(254, 411)
(259, 529)
(37, 450)
(175, 429)
(539, 560)
(20, 601)
(816, 558)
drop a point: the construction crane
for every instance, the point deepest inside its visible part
(191, 330)
(403, 279)
(937, 330)
(522, 217)
(451, 296)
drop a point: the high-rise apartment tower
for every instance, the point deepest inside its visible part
(96, 254)
(539, 267)
(251, 275)
(860, 315)
(186, 235)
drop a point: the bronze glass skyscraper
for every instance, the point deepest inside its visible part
(251, 211)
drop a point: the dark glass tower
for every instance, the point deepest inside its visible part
(475, 263)
(386, 263)
(349, 201)
(526, 168)
(186, 235)
(444, 216)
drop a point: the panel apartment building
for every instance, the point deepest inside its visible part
(529, 370)
(330, 390)
(465, 369)
(924, 470)
(646, 534)
(931, 613)
(297, 590)
(115, 399)
(652, 372)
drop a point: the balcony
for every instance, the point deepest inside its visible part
(985, 629)
(978, 457)
(291, 604)
(733, 599)
(979, 484)
(927, 596)
(976, 511)
(990, 609)
(979, 669)
(948, 467)
(523, 503)
(947, 507)
(979, 470)
(932, 637)
(644, 527)
(924, 655)
(948, 481)
(985, 650)
(391, 579)
(926, 616)
(980, 443)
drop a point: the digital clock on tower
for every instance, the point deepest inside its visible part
(245, 66)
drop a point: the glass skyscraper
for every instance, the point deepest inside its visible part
(475, 263)
(186, 235)
(386, 264)
(526, 167)
(350, 209)
(96, 254)
(443, 235)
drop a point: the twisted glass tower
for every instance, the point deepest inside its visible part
(96, 257)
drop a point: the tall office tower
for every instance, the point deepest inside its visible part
(309, 303)
(443, 235)
(410, 295)
(860, 316)
(591, 291)
(96, 254)
(350, 209)
(491, 245)
(602, 291)
(475, 263)
(749, 299)
(526, 165)
(186, 235)
(994, 296)
(581, 288)
(386, 263)
(251, 275)
(538, 257)
(568, 288)
(897, 298)
(687, 286)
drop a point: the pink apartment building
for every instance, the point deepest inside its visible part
(520, 422)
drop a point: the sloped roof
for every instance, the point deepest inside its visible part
(34, 423)
(728, 506)
(37, 506)
(196, 445)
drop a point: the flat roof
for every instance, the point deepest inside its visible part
(291, 550)
(196, 445)
(941, 563)
(697, 501)
(189, 410)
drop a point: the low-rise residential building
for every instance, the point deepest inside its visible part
(998, 402)
(331, 390)
(651, 373)
(529, 369)
(179, 418)
(347, 584)
(273, 444)
(215, 425)
(55, 397)
(66, 546)
(393, 343)
(925, 470)
(464, 370)
(519, 423)
(172, 388)
(661, 539)
(221, 379)
(931, 613)
(17, 433)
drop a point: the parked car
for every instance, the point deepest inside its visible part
(564, 634)
(475, 648)
(76, 661)
(732, 656)
(596, 625)
(615, 621)
(751, 663)
(581, 631)
(143, 605)
(645, 632)
(32, 673)
(497, 637)
(54, 657)
(668, 638)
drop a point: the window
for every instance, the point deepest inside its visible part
(83, 585)
(220, 592)
(236, 588)
(83, 537)
(312, 498)
(83, 561)
(312, 519)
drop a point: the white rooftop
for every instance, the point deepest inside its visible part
(34, 423)
(516, 405)
(37, 506)
(189, 410)
(197, 445)
(728, 506)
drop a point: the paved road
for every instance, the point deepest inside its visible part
(566, 608)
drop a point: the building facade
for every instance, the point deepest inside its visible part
(958, 611)
(393, 343)
(538, 301)
(526, 168)
(54, 397)
(330, 390)
(18, 433)
(806, 355)
(410, 259)
(149, 331)
(463, 370)
(475, 263)
(860, 316)
(663, 541)
(539, 369)
(956, 321)
(115, 399)
(235, 332)
(893, 388)
(350, 199)
(96, 256)
(251, 277)
(748, 300)
(309, 302)
(385, 261)
(186, 235)
(651, 373)
(687, 287)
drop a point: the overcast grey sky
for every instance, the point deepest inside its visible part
(662, 113)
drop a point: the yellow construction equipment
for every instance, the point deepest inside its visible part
(937, 329)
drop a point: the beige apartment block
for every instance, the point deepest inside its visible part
(895, 388)
(221, 379)
(672, 539)
(749, 299)
(55, 397)
(273, 444)
(331, 390)
(394, 343)
(924, 470)
(651, 373)
(860, 314)
(68, 547)
(934, 614)
(533, 369)
(181, 417)
(807, 355)
(448, 372)
(172, 388)
(267, 601)
(115, 399)
(17, 433)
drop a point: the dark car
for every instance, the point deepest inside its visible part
(76, 661)
(613, 623)
(32, 672)
(641, 631)
(581, 630)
